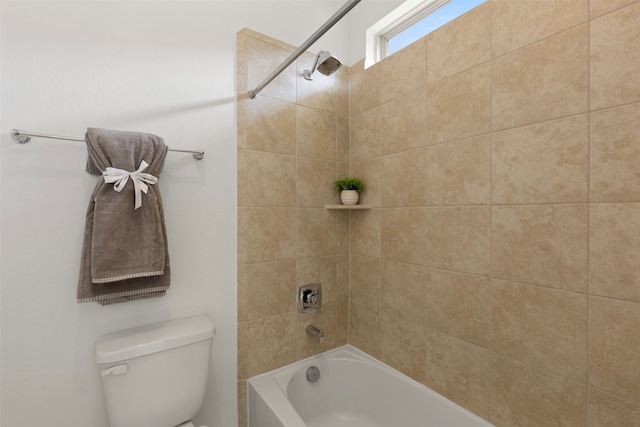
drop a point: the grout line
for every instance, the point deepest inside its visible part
(349, 169)
(610, 107)
(542, 40)
(540, 368)
(515, 205)
(491, 280)
(486, 277)
(587, 329)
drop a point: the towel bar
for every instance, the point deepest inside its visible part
(22, 137)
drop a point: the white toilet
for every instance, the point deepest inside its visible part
(156, 375)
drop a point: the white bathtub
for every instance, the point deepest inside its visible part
(354, 390)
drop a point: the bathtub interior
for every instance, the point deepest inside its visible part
(354, 390)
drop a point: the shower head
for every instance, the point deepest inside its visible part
(325, 63)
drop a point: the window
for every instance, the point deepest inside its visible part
(411, 21)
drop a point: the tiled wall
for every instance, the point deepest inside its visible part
(501, 263)
(293, 142)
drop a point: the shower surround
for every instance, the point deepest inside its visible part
(293, 142)
(500, 264)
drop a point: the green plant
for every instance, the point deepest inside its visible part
(349, 184)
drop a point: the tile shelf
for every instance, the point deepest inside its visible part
(346, 207)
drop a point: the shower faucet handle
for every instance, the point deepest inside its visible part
(309, 298)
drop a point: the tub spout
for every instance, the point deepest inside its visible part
(315, 333)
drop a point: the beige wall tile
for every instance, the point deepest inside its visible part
(403, 235)
(459, 45)
(452, 303)
(365, 233)
(544, 81)
(459, 172)
(266, 234)
(316, 232)
(319, 93)
(541, 245)
(461, 306)
(404, 290)
(403, 124)
(608, 411)
(365, 135)
(542, 163)
(600, 7)
(321, 270)
(342, 277)
(342, 322)
(364, 87)
(615, 58)
(266, 289)
(523, 395)
(266, 179)
(267, 39)
(615, 154)
(316, 133)
(405, 178)
(614, 347)
(459, 106)
(459, 371)
(271, 126)
(342, 90)
(614, 250)
(364, 328)
(264, 57)
(365, 280)
(242, 119)
(343, 169)
(541, 326)
(343, 231)
(314, 183)
(266, 344)
(459, 239)
(242, 404)
(343, 146)
(241, 62)
(402, 345)
(403, 72)
(515, 24)
(369, 172)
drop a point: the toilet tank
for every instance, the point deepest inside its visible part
(156, 375)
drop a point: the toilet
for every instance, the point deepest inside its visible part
(156, 375)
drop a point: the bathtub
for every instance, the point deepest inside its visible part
(353, 390)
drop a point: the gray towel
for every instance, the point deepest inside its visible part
(124, 253)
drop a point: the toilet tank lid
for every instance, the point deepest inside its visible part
(152, 338)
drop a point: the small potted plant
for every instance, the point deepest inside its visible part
(349, 189)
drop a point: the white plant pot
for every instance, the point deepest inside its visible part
(349, 197)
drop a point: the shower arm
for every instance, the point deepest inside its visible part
(313, 69)
(311, 40)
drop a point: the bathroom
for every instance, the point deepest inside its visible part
(521, 293)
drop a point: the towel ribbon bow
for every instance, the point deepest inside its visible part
(119, 178)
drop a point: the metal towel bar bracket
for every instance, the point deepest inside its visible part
(23, 137)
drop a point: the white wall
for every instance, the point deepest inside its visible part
(160, 67)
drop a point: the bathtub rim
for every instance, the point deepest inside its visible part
(275, 384)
